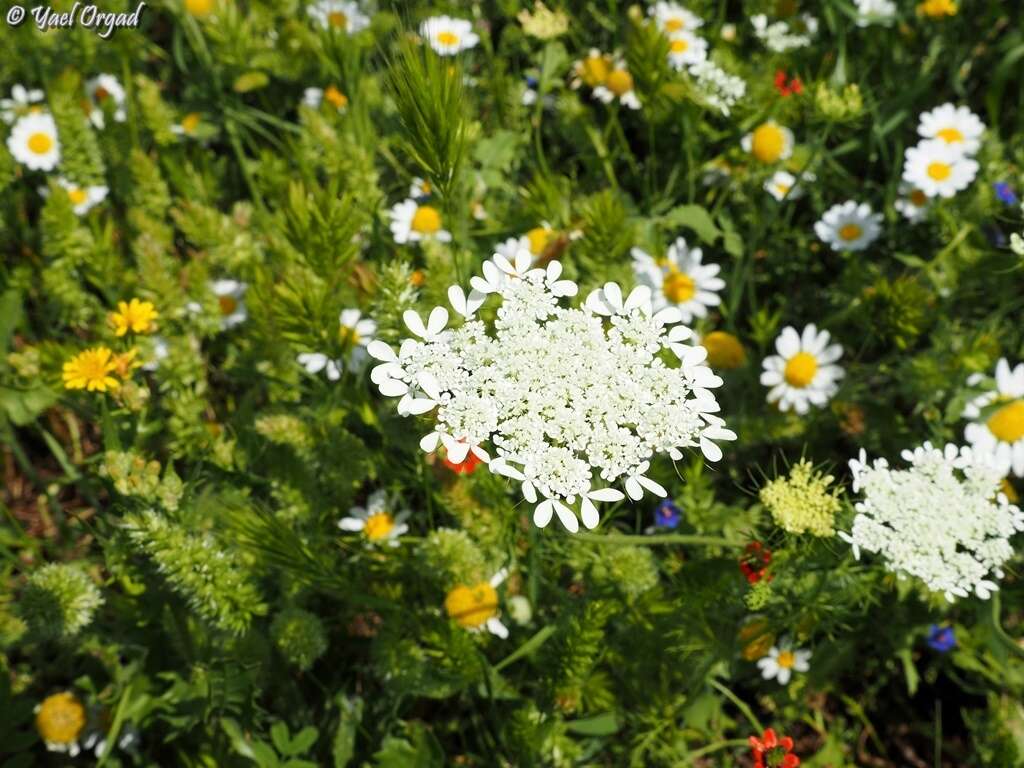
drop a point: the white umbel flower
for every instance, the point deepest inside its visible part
(341, 15)
(106, 92)
(448, 36)
(875, 12)
(781, 663)
(938, 169)
(20, 103)
(571, 400)
(849, 226)
(412, 222)
(942, 520)
(997, 420)
(958, 127)
(803, 373)
(782, 36)
(716, 88)
(679, 280)
(673, 18)
(33, 142)
(378, 521)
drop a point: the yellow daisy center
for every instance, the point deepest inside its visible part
(782, 189)
(472, 606)
(101, 94)
(620, 82)
(190, 122)
(337, 19)
(78, 195)
(199, 7)
(918, 198)
(950, 135)
(335, 97)
(60, 719)
(378, 526)
(227, 304)
(939, 171)
(849, 232)
(724, 350)
(768, 142)
(417, 278)
(1011, 493)
(40, 143)
(678, 287)
(801, 369)
(1007, 424)
(539, 238)
(674, 25)
(595, 70)
(447, 38)
(786, 659)
(349, 335)
(426, 220)
(679, 45)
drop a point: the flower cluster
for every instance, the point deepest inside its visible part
(942, 520)
(802, 502)
(571, 400)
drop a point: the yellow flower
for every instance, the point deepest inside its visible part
(936, 9)
(124, 363)
(60, 719)
(724, 350)
(471, 607)
(335, 97)
(199, 7)
(91, 370)
(803, 502)
(135, 316)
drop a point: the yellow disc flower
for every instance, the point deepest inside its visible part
(135, 316)
(91, 370)
(60, 719)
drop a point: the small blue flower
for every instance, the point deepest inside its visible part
(667, 515)
(1005, 192)
(532, 82)
(941, 639)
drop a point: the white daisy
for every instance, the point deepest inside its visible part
(314, 362)
(780, 663)
(914, 203)
(188, 126)
(997, 428)
(448, 36)
(341, 15)
(412, 222)
(803, 373)
(849, 226)
(377, 521)
(875, 12)
(106, 92)
(672, 18)
(535, 241)
(230, 295)
(33, 142)
(20, 103)
(356, 332)
(475, 607)
(938, 169)
(957, 126)
(686, 49)
(679, 280)
(312, 97)
(783, 185)
(420, 189)
(83, 199)
(769, 142)
(617, 85)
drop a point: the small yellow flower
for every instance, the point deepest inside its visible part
(124, 363)
(60, 719)
(199, 7)
(335, 97)
(91, 370)
(471, 607)
(135, 316)
(936, 9)
(724, 350)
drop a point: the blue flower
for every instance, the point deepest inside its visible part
(667, 515)
(941, 639)
(1005, 192)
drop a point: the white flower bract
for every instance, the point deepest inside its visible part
(942, 520)
(570, 400)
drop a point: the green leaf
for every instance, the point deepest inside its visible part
(695, 217)
(421, 750)
(10, 317)
(909, 671)
(251, 81)
(598, 725)
(344, 745)
(303, 740)
(281, 738)
(22, 406)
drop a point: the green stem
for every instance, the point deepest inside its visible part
(740, 705)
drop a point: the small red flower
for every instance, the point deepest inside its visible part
(777, 752)
(795, 85)
(465, 467)
(755, 561)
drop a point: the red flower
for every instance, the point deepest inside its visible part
(755, 561)
(778, 752)
(465, 467)
(795, 85)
